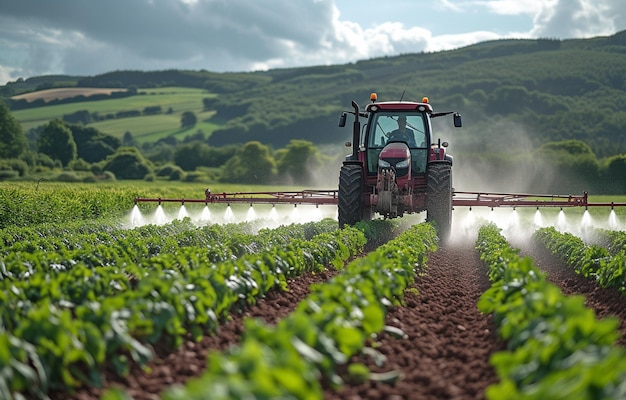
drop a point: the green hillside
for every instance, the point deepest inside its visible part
(514, 95)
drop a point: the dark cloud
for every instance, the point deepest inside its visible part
(84, 37)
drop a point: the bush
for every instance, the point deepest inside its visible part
(195, 176)
(108, 176)
(8, 174)
(149, 178)
(177, 175)
(19, 166)
(46, 161)
(166, 170)
(79, 165)
(68, 176)
(128, 163)
(96, 169)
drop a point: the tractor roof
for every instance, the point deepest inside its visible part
(399, 106)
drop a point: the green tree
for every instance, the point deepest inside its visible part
(56, 141)
(128, 163)
(253, 163)
(128, 139)
(300, 160)
(188, 119)
(93, 145)
(12, 140)
(191, 155)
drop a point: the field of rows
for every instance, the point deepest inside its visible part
(97, 309)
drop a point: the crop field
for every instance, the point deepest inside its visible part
(143, 128)
(102, 299)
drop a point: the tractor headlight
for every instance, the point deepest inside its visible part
(383, 164)
(403, 164)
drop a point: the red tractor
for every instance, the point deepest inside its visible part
(396, 167)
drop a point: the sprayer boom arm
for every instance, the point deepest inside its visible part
(314, 197)
(330, 197)
(482, 199)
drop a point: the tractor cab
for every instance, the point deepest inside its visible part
(389, 134)
(395, 167)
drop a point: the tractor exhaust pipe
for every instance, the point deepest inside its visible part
(356, 132)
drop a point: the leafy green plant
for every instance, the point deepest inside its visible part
(556, 348)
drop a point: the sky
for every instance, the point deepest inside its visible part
(90, 37)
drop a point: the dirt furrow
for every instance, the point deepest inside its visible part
(446, 350)
(170, 368)
(604, 301)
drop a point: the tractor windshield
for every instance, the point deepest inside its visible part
(410, 128)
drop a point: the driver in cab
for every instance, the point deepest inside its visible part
(403, 134)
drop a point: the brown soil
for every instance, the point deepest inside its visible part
(443, 355)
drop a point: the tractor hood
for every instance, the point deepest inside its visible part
(395, 155)
(395, 150)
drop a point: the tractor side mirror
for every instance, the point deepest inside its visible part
(457, 120)
(342, 120)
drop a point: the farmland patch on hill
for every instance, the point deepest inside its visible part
(64, 93)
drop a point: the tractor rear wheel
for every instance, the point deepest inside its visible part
(351, 204)
(439, 198)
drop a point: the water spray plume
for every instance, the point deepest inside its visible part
(561, 222)
(206, 214)
(182, 212)
(538, 219)
(295, 214)
(136, 219)
(159, 216)
(229, 216)
(251, 216)
(613, 222)
(273, 214)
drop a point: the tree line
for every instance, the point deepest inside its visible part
(555, 167)
(75, 147)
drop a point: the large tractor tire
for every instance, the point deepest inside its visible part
(439, 198)
(351, 204)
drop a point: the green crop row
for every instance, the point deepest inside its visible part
(556, 347)
(59, 326)
(591, 261)
(289, 360)
(50, 249)
(614, 241)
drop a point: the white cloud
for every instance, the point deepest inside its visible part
(516, 7)
(449, 42)
(577, 18)
(85, 38)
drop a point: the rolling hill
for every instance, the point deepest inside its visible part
(514, 96)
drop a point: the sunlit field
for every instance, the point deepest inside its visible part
(172, 100)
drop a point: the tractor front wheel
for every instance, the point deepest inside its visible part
(351, 202)
(439, 198)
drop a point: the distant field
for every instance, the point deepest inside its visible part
(143, 128)
(64, 93)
